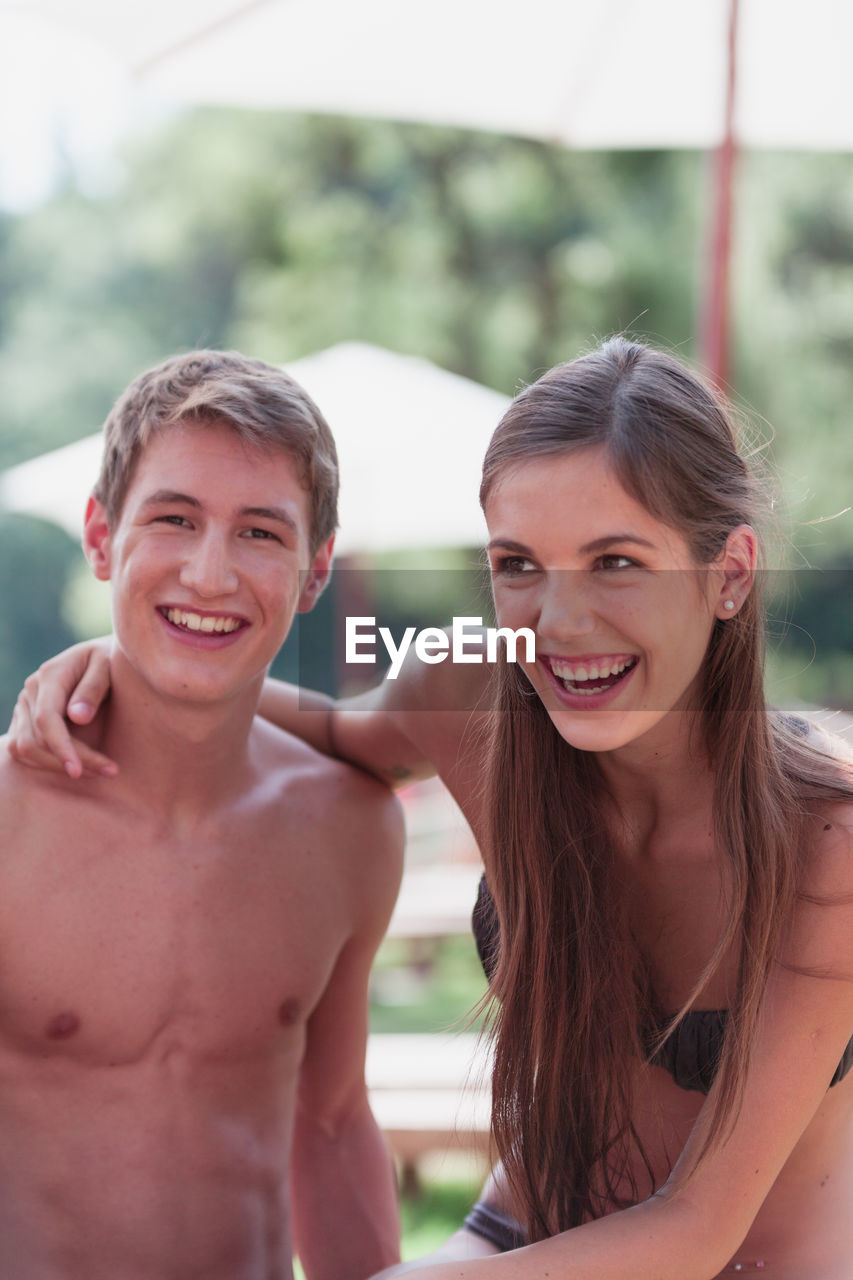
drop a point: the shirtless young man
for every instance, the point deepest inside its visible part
(186, 947)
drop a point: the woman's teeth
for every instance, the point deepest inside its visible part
(602, 674)
(195, 621)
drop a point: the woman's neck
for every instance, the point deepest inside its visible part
(664, 779)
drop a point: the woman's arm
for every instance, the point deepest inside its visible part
(402, 730)
(465, 1244)
(695, 1224)
(71, 687)
(462, 1246)
(363, 730)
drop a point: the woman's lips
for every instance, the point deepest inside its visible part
(588, 682)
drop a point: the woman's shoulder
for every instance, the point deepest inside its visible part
(834, 827)
(817, 759)
(828, 866)
(825, 732)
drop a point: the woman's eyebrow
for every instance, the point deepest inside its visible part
(601, 544)
(509, 545)
(598, 544)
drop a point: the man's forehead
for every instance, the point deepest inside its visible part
(177, 497)
(213, 464)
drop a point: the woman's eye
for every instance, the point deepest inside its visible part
(512, 567)
(615, 562)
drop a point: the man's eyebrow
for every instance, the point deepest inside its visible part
(170, 495)
(272, 513)
(163, 497)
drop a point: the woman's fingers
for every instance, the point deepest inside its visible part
(28, 745)
(78, 681)
(91, 690)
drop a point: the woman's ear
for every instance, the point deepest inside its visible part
(96, 540)
(737, 565)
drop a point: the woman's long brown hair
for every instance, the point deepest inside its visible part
(570, 989)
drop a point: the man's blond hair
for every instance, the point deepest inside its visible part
(262, 403)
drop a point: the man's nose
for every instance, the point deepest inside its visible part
(208, 569)
(566, 610)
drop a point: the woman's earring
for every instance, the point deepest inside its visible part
(729, 605)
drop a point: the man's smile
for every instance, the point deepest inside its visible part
(206, 623)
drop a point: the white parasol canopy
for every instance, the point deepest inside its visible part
(587, 73)
(410, 437)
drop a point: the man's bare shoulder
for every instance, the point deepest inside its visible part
(350, 817)
(20, 784)
(35, 803)
(335, 792)
(281, 753)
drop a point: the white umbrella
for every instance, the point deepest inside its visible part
(587, 73)
(410, 436)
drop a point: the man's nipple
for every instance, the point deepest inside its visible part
(288, 1012)
(63, 1026)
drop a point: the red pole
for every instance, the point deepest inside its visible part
(715, 317)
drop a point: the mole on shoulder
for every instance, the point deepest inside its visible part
(288, 1012)
(63, 1026)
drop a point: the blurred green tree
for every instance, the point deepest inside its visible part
(34, 569)
(495, 257)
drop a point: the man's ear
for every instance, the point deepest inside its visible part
(737, 564)
(314, 581)
(96, 540)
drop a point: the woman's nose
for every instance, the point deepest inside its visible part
(566, 607)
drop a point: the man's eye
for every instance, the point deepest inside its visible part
(180, 521)
(262, 535)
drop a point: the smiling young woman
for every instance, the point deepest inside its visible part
(621, 472)
(666, 910)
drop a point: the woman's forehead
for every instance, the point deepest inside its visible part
(573, 498)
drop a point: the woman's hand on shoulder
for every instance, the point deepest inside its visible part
(69, 687)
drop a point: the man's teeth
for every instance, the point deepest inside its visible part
(195, 622)
(594, 671)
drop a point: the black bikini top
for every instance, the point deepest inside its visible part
(690, 1055)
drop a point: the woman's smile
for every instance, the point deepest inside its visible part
(586, 683)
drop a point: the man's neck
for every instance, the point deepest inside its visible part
(183, 759)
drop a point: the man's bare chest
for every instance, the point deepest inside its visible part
(120, 944)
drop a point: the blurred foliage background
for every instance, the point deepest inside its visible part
(495, 257)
